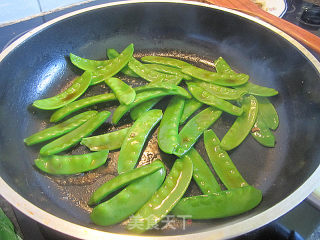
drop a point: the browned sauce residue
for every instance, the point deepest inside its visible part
(255, 129)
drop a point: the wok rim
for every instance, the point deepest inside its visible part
(227, 231)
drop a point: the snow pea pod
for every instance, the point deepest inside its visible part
(78, 87)
(146, 106)
(220, 91)
(257, 90)
(72, 138)
(110, 141)
(202, 174)
(166, 61)
(156, 86)
(6, 222)
(135, 139)
(59, 129)
(137, 111)
(149, 74)
(129, 200)
(124, 93)
(194, 128)
(221, 162)
(242, 125)
(261, 133)
(220, 204)
(71, 164)
(223, 67)
(7, 229)
(87, 64)
(167, 196)
(168, 70)
(202, 95)
(190, 106)
(122, 180)
(112, 53)
(145, 96)
(113, 66)
(86, 102)
(268, 113)
(267, 118)
(79, 104)
(223, 79)
(168, 139)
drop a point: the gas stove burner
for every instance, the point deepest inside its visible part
(311, 16)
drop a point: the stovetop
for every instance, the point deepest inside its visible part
(303, 222)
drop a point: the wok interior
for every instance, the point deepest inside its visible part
(39, 68)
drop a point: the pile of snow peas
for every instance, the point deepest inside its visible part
(190, 113)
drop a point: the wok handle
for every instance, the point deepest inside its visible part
(308, 39)
(303, 36)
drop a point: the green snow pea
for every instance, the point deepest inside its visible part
(221, 162)
(135, 139)
(145, 96)
(223, 67)
(168, 139)
(72, 138)
(242, 125)
(190, 106)
(110, 141)
(223, 79)
(59, 129)
(157, 86)
(112, 53)
(71, 164)
(7, 231)
(149, 74)
(5, 221)
(202, 95)
(123, 92)
(168, 70)
(87, 64)
(268, 113)
(167, 196)
(202, 174)
(109, 68)
(79, 104)
(129, 200)
(220, 91)
(89, 101)
(220, 204)
(257, 90)
(194, 128)
(267, 119)
(137, 111)
(113, 66)
(122, 180)
(146, 106)
(78, 87)
(261, 133)
(165, 61)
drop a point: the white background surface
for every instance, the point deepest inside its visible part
(14, 10)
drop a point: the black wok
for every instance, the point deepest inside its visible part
(37, 66)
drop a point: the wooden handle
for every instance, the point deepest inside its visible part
(303, 36)
(308, 39)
